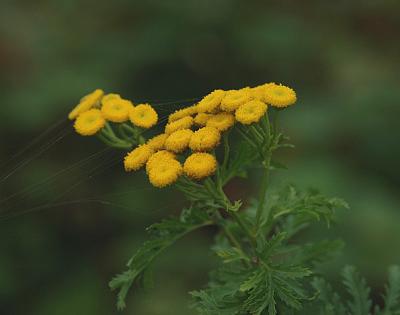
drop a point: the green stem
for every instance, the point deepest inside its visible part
(257, 136)
(263, 191)
(235, 243)
(226, 150)
(247, 138)
(245, 228)
(115, 144)
(135, 132)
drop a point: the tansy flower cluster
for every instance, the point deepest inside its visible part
(96, 109)
(186, 147)
(192, 133)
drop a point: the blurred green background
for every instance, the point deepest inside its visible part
(78, 217)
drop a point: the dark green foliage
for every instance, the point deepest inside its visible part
(357, 287)
(331, 303)
(392, 293)
(163, 235)
(273, 277)
(293, 210)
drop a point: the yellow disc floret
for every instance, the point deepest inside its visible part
(188, 111)
(90, 122)
(279, 95)
(250, 112)
(201, 119)
(183, 123)
(86, 103)
(143, 115)
(221, 121)
(109, 96)
(200, 165)
(157, 142)
(158, 157)
(178, 141)
(211, 102)
(205, 139)
(258, 92)
(116, 109)
(165, 173)
(137, 158)
(234, 98)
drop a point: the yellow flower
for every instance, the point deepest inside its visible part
(234, 98)
(165, 173)
(116, 109)
(158, 157)
(250, 112)
(200, 165)
(188, 111)
(221, 121)
(109, 96)
(258, 92)
(201, 119)
(183, 123)
(86, 103)
(211, 102)
(178, 141)
(90, 122)
(157, 142)
(137, 158)
(280, 95)
(205, 139)
(143, 115)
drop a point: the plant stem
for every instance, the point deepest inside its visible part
(245, 228)
(263, 191)
(115, 143)
(226, 150)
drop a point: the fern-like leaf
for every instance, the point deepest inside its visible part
(163, 235)
(359, 291)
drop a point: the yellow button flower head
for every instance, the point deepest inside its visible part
(116, 109)
(188, 111)
(205, 139)
(157, 142)
(90, 122)
(201, 119)
(159, 157)
(183, 123)
(143, 115)
(109, 96)
(200, 165)
(279, 95)
(137, 158)
(178, 141)
(234, 98)
(258, 92)
(211, 102)
(165, 173)
(221, 121)
(86, 103)
(250, 112)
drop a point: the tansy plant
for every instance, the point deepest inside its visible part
(264, 269)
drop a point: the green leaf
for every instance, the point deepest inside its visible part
(356, 286)
(163, 235)
(266, 286)
(222, 296)
(231, 254)
(317, 252)
(277, 165)
(392, 293)
(293, 210)
(330, 301)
